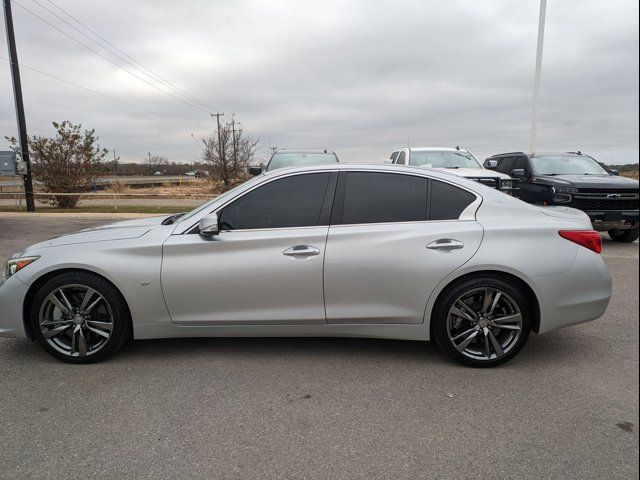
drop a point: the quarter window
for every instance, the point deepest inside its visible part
(401, 158)
(447, 201)
(288, 202)
(384, 197)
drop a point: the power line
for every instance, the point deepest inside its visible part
(166, 117)
(121, 55)
(203, 103)
(109, 60)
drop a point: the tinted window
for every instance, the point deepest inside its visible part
(393, 157)
(521, 162)
(447, 201)
(289, 202)
(384, 197)
(401, 158)
(506, 165)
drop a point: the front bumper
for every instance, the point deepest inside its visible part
(604, 220)
(12, 294)
(580, 295)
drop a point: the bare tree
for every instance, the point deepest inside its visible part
(228, 155)
(66, 163)
(154, 162)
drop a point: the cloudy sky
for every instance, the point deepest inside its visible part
(360, 77)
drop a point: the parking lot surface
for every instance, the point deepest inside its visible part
(565, 407)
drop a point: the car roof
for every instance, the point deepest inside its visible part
(539, 154)
(377, 167)
(306, 151)
(436, 149)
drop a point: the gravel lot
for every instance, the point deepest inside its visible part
(566, 407)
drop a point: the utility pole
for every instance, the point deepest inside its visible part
(538, 73)
(220, 153)
(235, 145)
(17, 94)
(115, 163)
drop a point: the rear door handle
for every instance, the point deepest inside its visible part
(301, 251)
(445, 245)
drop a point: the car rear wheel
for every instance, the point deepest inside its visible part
(482, 321)
(79, 317)
(625, 236)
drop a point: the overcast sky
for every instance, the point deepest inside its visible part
(359, 77)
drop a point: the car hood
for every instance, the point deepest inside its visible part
(113, 231)
(590, 181)
(471, 172)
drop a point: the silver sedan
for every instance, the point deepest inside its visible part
(335, 250)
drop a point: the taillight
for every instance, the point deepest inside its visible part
(587, 238)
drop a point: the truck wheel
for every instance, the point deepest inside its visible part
(625, 236)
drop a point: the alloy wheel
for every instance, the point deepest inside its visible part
(484, 324)
(76, 320)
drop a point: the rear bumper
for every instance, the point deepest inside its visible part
(603, 220)
(12, 294)
(578, 296)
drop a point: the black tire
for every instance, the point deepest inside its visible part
(441, 314)
(121, 330)
(624, 236)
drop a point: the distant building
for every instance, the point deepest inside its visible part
(7, 163)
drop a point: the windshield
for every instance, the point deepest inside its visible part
(222, 196)
(443, 159)
(281, 160)
(567, 165)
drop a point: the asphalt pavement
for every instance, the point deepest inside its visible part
(565, 407)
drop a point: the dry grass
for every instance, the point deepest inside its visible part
(630, 175)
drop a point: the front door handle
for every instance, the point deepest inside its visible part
(445, 245)
(301, 251)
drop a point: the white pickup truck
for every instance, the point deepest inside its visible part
(457, 161)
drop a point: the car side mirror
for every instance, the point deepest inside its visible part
(614, 172)
(208, 225)
(255, 170)
(519, 173)
(491, 164)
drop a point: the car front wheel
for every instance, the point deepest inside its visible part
(625, 236)
(79, 317)
(481, 321)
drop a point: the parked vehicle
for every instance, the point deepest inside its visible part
(333, 250)
(158, 173)
(191, 173)
(578, 181)
(295, 158)
(457, 161)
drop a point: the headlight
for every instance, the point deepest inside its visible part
(564, 190)
(14, 265)
(563, 194)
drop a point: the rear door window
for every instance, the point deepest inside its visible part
(371, 197)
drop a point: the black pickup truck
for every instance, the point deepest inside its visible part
(578, 181)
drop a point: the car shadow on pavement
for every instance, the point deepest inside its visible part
(559, 348)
